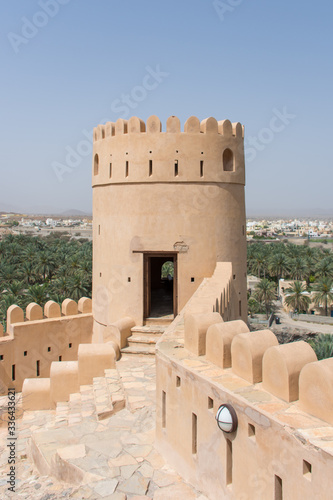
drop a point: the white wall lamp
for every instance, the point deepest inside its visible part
(226, 418)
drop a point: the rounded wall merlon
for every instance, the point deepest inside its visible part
(316, 389)
(64, 380)
(52, 309)
(36, 394)
(192, 126)
(14, 315)
(173, 125)
(196, 326)
(209, 126)
(218, 341)
(93, 359)
(69, 307)
(154, 125)
(282, 366)
(85, 305)
(121, 126)
(34, 312)
(136, 125)
(247, 351)
(109, 129)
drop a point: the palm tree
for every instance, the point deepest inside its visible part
(73, 265)
(265, 293)
(8, 272)
(27, 272)
(278, 265)
(252, 306)
(323, 293)
(297, 267)
(308, 274)
(324, 267)
(15, 288)
(37, 293)
(292, 250)
(77, 287)
(296, 296)
(259, 260)
(60, 286)
(30, 252)
(45, 264)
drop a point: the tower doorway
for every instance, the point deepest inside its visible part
(160, 285)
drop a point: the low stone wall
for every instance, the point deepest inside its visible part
(33, 342)
(66, 377)
(282, 396)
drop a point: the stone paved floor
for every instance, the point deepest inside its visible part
(116, 455)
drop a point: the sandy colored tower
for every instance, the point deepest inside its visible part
(173, 197)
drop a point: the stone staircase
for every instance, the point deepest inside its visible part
(103, 398)
(144, 338)
(58, 441)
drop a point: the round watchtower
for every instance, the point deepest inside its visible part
(167, 207)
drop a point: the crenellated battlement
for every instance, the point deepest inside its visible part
(281, 398)
(34, 312)
(132, 151)
(192, 126)
(37, 337)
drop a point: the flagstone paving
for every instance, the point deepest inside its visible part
(110, 457)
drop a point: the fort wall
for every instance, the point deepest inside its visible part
(282, 447)
(33, 341)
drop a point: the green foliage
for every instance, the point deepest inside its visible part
(322, 293)
(264, 294)
(254, 307)
(35, 269)
(167, 268)
(294, 262)
(296, 296)
(323, 346)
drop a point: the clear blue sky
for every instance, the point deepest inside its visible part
(244, 60)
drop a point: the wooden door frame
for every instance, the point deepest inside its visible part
(147, 280)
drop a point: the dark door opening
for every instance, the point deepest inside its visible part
(160, 285)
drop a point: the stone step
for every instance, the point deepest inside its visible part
(140, 349)
(87, 401)
(61, 415)
(103, 403)
(148, 339)
(101, 399)
(116, 389)
(75, 409)
(54, 447)
(163, 321)
(109, 394)
(148, 329)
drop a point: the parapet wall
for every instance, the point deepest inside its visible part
(282, 396)
(34, 340)
(132, 151)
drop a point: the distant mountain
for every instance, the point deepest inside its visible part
(42, 210)
(6, 208)
(74, 212)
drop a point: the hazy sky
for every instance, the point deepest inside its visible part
(68, 65)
